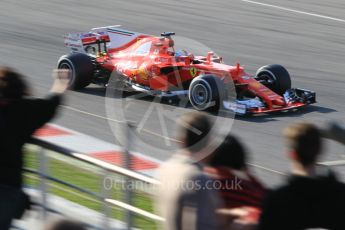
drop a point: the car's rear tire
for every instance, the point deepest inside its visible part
(81, 67)
(205, 92)
(275, 77)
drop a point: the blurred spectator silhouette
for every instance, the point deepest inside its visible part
(312, 196)
(228, 166)
(236, 185)
(66, 225)
(182, 198)
(20, 116)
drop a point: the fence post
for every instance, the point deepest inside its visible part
(43, 182)
(105, 194)
(127, 165)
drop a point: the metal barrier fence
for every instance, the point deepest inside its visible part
(103, 196)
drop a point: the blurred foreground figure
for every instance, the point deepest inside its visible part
(182, 198)
(19, 118)
(312, 197)
(236, 185)
(66, 225)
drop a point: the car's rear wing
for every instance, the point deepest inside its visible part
(111, 36)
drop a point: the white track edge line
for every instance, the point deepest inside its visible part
(267, 169)
(295, 11)
(117, 121)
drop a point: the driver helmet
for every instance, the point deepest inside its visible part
(184, 53)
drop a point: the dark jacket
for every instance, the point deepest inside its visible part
(305, 202)
(18, 121)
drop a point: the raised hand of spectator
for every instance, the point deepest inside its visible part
(245, 218)
(61, 80)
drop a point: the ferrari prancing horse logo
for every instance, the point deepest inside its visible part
(193, 71)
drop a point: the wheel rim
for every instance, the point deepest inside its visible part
(200, 94)
(268, 78)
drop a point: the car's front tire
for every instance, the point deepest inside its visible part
(81, 67)
(275, 77)
(205, 92)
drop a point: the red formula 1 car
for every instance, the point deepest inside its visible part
(150, 64)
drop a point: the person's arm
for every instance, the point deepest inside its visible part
(40, 111)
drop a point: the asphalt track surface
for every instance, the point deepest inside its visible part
(306, 36)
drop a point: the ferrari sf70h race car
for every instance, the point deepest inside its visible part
(150, 64)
